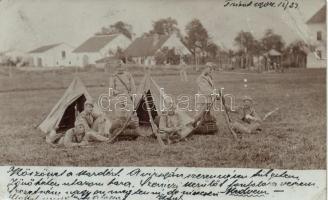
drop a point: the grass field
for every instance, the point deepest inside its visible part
(292, 138)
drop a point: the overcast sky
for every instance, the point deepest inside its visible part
(27, 24)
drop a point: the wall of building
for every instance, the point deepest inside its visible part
(317, 58)
(55, 57)
(84, 59)
(146, 60)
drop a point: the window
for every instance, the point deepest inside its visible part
(63, 54)
(319, 35)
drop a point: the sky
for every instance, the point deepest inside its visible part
(28, 24)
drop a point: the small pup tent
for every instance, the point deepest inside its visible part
(149, 91)
(62, 115)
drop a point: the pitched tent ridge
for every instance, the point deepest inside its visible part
(95, 43)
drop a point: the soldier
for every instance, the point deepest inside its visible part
(76, 136)
(122, 83)
(174, 124)
(183, 72)
(205, 96)
(94, 121)
(249, 121)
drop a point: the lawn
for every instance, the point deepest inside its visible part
(292, 138)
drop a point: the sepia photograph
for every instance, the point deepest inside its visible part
(163, 83)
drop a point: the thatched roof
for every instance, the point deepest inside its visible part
(146, 45)
(95, 43)
(44, 48)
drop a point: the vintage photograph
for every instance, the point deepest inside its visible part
(213, 83)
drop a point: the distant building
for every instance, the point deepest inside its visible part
(318, 34)
(52, 55)
(143, 49)
(98, 47)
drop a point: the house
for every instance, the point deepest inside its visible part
(98, 47)
(52, 55)
(143, 49)
(318, 34)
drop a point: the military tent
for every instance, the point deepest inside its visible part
(149, 91)
(62, 115)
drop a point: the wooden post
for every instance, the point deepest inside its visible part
(153, 125)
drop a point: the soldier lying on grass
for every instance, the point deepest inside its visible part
(76, 136)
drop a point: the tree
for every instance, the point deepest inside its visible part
(247, 43)
(165, 26)
(167, 55)
(272, 41)
(248, 48)
(197, 36)
(212, 49)
(118, 27)
(295, 53)
(198, 40)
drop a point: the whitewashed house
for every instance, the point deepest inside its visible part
(98, 47)
(143, 49)
(318, 36)
(54, 55)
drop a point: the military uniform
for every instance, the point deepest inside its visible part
(248, 122)
(122, 83)
(183, 72)
(205, 95)
(90, 120)
(175, 123)
(71, 138)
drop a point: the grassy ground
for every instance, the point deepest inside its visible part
(292, 138)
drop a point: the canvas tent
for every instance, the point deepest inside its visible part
(148, 90)
(151, 92)
(62, 116)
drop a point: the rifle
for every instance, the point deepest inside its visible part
(270, 113)
(126, 123)
(227, 117)
(204, 114)
(152, 123)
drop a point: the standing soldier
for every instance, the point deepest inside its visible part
(122, 86)
(183, 72)
(205, 96)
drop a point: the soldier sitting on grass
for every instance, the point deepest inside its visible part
(92, 120)
(249, 122)
(174, 125)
